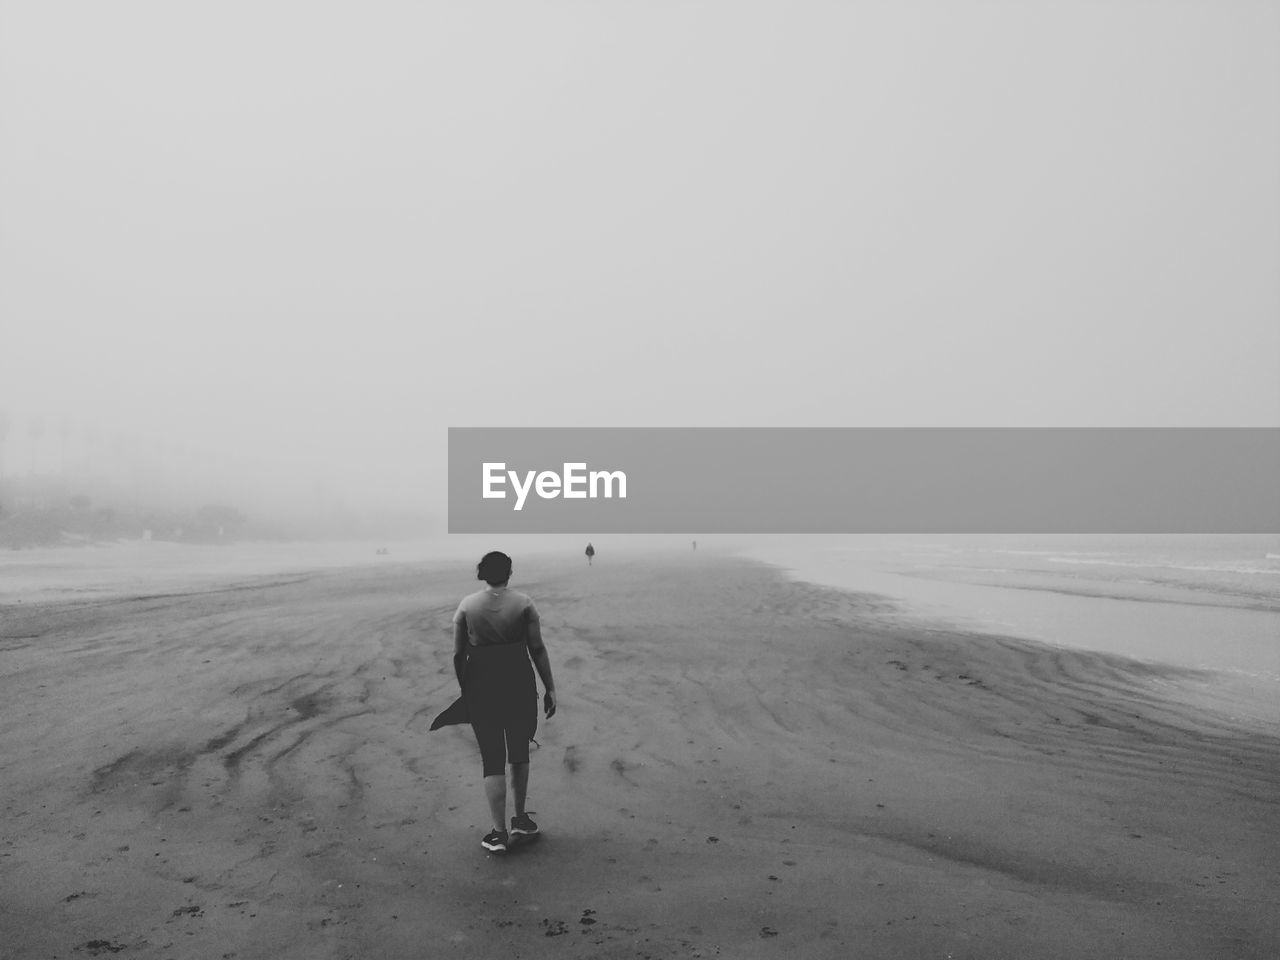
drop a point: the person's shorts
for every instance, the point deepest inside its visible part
(505, 740)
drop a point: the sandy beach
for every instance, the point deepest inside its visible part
(742, 766)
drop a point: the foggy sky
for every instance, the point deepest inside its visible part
(309, 237)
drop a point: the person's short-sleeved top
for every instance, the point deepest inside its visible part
(496, 615)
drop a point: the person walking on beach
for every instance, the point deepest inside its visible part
(591, 552)
(496, 636)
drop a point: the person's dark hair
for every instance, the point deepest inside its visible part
(494, 569)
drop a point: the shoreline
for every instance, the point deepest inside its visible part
(1231, 638)
(741, 764)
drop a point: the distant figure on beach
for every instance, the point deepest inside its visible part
(591, 552)
(695, 544)
(496, 636)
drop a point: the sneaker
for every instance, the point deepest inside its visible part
(522, 825)
(495, 841)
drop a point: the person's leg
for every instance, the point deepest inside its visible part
(493, 755)
(519, 785)
(518, 757)
(495, 791)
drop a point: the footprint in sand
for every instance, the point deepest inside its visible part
(621, 768)
(555, 928)
(95, 947)
(571, 762)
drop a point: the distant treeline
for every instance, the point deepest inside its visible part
(79, 520)
(45, 513)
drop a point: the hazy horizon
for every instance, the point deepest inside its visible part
(287, 246)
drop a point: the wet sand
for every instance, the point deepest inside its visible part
(742, 767)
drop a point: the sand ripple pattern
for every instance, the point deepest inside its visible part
(741, 766)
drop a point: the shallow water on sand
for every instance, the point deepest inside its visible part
(1205, 603)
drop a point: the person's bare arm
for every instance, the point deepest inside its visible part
(538, 653)
(459, 648)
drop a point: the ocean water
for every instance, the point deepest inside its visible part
(1206, 602)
